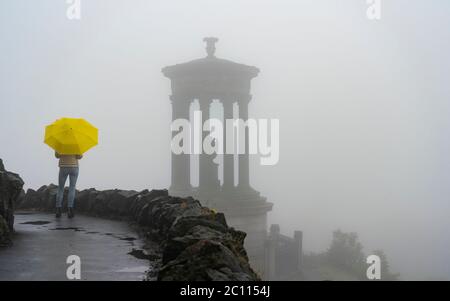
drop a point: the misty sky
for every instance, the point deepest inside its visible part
(363, 106)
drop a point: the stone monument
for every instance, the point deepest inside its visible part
(204, 80)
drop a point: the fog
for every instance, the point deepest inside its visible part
(363, 106)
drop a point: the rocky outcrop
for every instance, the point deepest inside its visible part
(10, 191)
(196, 242)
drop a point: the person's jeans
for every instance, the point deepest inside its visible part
(64, 172)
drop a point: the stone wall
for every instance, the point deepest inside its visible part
(196, 242)
(10, 191)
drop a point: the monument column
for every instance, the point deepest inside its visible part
(209, 180)
(181, 174)
(228, 159)
(244, 162)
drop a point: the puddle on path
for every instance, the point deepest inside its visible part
(37, 223)
(68, 228)
(127, 238)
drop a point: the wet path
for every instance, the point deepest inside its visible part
(109, 250)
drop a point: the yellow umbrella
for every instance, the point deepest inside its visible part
(71, 136)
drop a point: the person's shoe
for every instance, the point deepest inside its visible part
(70, 213)
(58, 212)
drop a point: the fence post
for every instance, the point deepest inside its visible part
(298, 237)
(271, 251)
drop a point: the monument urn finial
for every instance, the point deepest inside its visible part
(210, 46)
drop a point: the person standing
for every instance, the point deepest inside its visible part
(68, 167)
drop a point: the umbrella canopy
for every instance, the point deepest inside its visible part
(71, 136)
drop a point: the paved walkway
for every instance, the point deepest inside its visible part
(42, 244)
